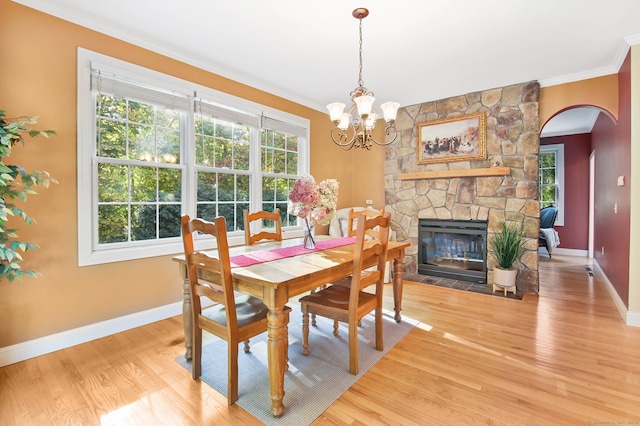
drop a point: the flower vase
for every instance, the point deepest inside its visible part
(309, 241)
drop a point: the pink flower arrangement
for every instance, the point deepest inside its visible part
(314, 202)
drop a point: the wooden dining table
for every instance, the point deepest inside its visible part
(276, 281)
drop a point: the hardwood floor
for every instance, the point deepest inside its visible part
(562, 357)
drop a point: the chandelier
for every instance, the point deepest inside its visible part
(361, 116)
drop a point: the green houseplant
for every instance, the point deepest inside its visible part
(507, 246)
(16, 183)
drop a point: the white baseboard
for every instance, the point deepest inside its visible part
(44, 345)
(633, 319)
(630, 318)
(571, 252)
(564, 252)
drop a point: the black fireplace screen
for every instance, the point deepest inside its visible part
(453, 249)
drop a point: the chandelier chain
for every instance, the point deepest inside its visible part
(360, 81)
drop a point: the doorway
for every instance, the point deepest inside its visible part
(572, 129)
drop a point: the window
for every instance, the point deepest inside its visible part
(152, 148)
(139, 187)
(222, 163)
(551, 178)
(279, 152)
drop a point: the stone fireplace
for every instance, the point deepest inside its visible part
(468, 190)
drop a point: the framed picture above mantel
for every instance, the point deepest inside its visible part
(459, 138)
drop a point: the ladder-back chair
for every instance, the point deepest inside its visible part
(262, 216)
(235, 317)
(349, 304)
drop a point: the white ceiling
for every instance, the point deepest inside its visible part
(571, 122)
(414, 51)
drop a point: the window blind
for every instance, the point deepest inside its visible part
(227, 114)
(280, 126)
(117, 86)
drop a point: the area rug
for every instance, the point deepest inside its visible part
(312, 382)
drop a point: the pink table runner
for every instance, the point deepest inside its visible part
(249, 259)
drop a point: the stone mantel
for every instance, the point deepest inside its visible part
(446, 174)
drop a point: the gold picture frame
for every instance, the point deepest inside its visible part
(460, 138)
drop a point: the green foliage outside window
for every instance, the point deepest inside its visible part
(275, 194)
(279, 154)
(16, 183)
(140, 200)
(222, 145)
(139, 192)
(547, 179)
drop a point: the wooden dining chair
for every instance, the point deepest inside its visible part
(235, 317)
(349, 304)
(261, 216)
(352, 223)
(368, 213)
(372, 233)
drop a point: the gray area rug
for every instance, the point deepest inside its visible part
(312, 383)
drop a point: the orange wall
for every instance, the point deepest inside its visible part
(368, 172)
(600, 91)
(38, 77)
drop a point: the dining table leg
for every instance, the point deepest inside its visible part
(277, 347)
(398, 265)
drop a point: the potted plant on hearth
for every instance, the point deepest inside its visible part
(507, 245)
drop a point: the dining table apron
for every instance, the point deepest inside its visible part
(276, 281)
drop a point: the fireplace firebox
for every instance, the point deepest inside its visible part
(455, 249)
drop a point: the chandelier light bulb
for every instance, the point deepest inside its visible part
(344, 121)
(335, 111)
(365, 105)
(390, 111)
(370, 122)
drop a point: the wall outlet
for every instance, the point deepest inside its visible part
(603, 250)
(369, 202)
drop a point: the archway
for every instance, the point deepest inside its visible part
(567, 133)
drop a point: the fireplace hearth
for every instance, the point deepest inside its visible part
(455, 249)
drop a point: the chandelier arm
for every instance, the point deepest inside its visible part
(359, 140)
(389, 130)
(339, 137)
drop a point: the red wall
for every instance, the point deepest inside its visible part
(612, 145)
(577, 148)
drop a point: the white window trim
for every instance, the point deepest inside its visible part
(558, 149)
(87, 254)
